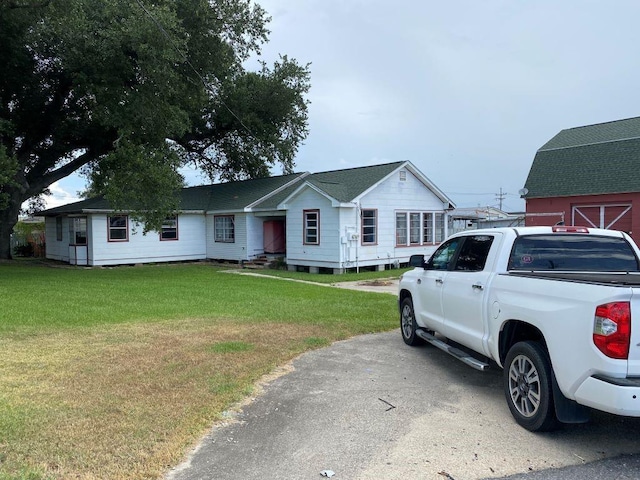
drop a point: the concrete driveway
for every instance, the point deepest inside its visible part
(373, 408)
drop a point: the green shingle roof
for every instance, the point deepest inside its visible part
(229, 196)
(598, 133)
(590, 160)
(346, 185)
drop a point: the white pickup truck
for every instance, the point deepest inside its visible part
(557, 308)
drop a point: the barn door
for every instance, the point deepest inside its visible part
(614, 217)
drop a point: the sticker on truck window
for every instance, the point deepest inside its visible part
(526, 259)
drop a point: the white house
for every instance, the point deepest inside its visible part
(360, 217)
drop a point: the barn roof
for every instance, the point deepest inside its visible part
(589, 160)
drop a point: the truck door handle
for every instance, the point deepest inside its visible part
(439, 280)
(477, 286)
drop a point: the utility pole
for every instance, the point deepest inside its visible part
(500, 197)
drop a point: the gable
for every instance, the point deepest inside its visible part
(347, 186)
(592, 160)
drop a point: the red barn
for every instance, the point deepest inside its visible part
(588, 176)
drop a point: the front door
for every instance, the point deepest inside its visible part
(78, 251)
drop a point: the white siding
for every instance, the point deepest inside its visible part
(390, 197)
(55, 249)
(237, 250)
(255, 236)
(146, 248)
(327, 253)
(340, 227)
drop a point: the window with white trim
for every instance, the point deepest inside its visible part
(427, 228)
(401, 228)
(311, 219)
(419, 228)
(369, 221)
(414, 228)
(118, 228)
(224, 226)
(439, 227)
(169, 228)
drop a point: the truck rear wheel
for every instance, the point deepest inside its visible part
(528, 387)
(408, 324)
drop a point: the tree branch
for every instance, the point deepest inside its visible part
(67, 169)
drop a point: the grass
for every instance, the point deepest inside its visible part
(117, 373)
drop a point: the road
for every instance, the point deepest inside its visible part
(374, 408)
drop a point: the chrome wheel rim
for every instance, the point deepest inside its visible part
(407, 321)
(524, 386)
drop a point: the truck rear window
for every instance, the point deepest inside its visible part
(581, 253)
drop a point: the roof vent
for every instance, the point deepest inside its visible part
(403, 176)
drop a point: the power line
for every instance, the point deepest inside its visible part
(186, 60)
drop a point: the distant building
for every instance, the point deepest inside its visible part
(462, 219)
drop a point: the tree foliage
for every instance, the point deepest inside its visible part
(128, 91)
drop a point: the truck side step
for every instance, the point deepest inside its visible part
(453, 351)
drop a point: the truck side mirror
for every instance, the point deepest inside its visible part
(416, 260)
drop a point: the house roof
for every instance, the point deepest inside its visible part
(267, 193)
(346, 185)
(590, 160)
(228, 196)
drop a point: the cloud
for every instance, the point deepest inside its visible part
(60, 195)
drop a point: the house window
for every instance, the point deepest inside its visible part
(414, 228)
(118, 228)
(427, 228)
(169, 228)
(439, 228)
(401, 228)
(419, 228)
(311, 227)
(59, 229)
(78, 231)
(433, 227)
(403, 176)
(224, 226)
(369, 227)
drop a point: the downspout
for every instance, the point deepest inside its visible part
(358, 220)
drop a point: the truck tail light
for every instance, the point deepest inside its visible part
(612, 329)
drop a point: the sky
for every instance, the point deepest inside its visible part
(466, 90)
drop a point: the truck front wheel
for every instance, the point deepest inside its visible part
(408, 324)
(528, 387)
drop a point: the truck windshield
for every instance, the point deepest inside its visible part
(572, 252)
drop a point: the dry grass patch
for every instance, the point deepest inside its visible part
(127, 401)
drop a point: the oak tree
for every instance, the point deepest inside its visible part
(129, 91)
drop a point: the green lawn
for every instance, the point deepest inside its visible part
(117, 372)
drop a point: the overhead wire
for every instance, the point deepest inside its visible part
(188, 62)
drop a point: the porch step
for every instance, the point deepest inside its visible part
(260, 262)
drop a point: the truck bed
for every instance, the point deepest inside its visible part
(627, 279)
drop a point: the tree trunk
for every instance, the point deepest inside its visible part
(8, 219)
